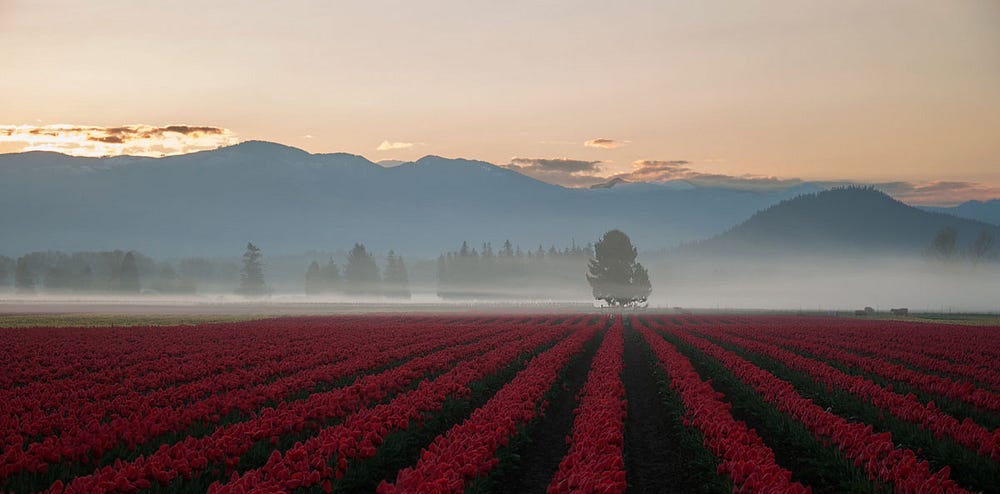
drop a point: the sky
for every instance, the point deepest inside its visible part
(572, 92)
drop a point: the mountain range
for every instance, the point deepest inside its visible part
(286, 200)
(985, 211)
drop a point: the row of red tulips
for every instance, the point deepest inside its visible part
(170, 375)
(227, 444)
(94, 437)
(468, 450)
(876, 453)
(45, 356)
(930, 383)
(962, 343)
(95, 406)
(967, 353)
(594, 462)
(324, 458)
(905, 407)
(742, 454)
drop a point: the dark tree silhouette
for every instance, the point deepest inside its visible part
(361, 272)
(943, 245)
(615, 276)
(314, 280)
(396, 282)
(330, 276)
(128, 275)
(252, 275)
(982, 248)
(508, 250)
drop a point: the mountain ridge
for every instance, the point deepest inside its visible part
(291, 201)
(987, 211)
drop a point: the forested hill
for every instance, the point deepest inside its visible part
(849, 221)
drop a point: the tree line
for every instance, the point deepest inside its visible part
(361, 276)
(113, 272)
(944, 247)
(509, 271)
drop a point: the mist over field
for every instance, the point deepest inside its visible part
(828, 284)
(812, 284)
(840, 249)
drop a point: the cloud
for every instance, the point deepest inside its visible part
(565, 165)
(665, 171)
(658, 171)
(581, 173)
(939, 192)
(136, 140)
(561, 171)
(604, 143)
(387, 146)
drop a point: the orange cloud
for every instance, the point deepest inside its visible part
(134, 140)
(388, 145)
(582, 173)
(561, 171)
(604, 143)
(939, 192)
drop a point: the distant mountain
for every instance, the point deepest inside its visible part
(845, 221)
(290, 201)
(610, 183)
(985, 211)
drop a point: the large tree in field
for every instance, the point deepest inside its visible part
(252, 275)
(615, 276)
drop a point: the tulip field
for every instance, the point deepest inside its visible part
(561, 403)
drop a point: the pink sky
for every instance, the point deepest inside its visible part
(892, 91)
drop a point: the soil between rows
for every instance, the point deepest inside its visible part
(546, 444)
(660, 455)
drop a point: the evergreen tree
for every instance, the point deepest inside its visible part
(314, 281)
(252, 275)
(361, 272)
(330, 277)
(128, 274)
(396, 282)
(508, 250)
(614, 275)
